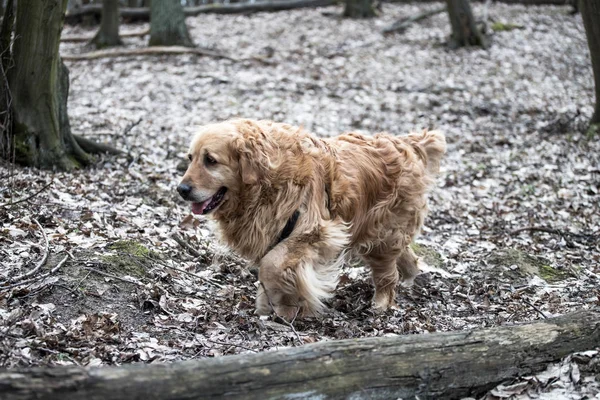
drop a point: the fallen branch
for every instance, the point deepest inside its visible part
(143, 13)
(87, 38)
(106, 274)
(145, 51)
(402, 24)
(565, 234)
(37, 278)
(12, 203)
(39, 264)
(437, 365)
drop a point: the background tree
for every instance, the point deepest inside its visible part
(167, 24)
(108, 34)
(359, 9)
(464, 27)
(38, 83)
(590, 13)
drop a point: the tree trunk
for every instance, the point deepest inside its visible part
(359, 9)
(39, 84)
(167, 24)
(590, 13)
(5, 98)
(431, 366)
(464, 28)
(108, 34)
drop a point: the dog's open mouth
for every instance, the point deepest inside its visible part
(209, 204)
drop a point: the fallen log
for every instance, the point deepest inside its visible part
(403, 23)
(144, 51)
(439, 365)
(143, 13)
(87, 38)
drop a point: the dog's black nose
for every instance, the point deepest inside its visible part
(184, 190)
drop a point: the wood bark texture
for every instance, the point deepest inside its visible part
(464, 27)
(590, 13)
(440, 365)
(359, 9)
(167, 24)
(39, 86)
(108, 34)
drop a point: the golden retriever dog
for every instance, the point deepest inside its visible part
(295, 204)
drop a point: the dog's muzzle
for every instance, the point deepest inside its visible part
(184, 190)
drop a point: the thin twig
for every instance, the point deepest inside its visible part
(113, 276)
(131, 126)
(530, 304)
(12, 203)
(231, 344)
(186, 245)
(205, 279)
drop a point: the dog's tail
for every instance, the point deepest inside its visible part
(431, 146)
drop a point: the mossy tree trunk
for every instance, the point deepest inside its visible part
(167, 24)
(464, 28)
(39, 86)
(590, 13)
(108, 34)
(359, 9)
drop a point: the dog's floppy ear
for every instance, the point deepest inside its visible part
(252, 158)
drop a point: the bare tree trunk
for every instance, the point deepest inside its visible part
(359, 9)
(6, 31)
(39, 85)
(108, 34)
(167, 24)
(464, 28)
(590, 13)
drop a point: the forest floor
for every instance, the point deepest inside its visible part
(513, 232)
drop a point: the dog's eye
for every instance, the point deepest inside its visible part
(208, 160)
(190, 157)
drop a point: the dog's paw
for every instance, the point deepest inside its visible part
(382, 302)
(408, 283)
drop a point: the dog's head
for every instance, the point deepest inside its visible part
(224, 159)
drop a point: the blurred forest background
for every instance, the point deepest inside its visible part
(102, 263)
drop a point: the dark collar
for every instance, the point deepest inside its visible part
(288, 228)
(291, 222)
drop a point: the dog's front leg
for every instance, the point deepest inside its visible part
(278, 271)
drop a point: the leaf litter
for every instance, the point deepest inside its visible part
(512, 235)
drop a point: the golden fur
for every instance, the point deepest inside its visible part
(364, 194)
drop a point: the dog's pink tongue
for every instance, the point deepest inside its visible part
(197, 208)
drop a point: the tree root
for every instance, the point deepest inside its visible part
(91, 147)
